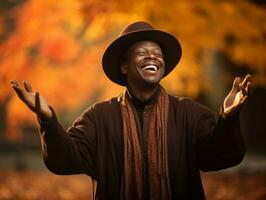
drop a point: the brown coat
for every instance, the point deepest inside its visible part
(94, 145)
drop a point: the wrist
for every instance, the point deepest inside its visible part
(222, 113)
(47, 115)
(228, 113)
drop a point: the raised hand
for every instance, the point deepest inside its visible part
(237, 96)
(32, 99)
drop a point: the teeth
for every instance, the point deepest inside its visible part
(150, 67)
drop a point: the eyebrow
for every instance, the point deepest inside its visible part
(145, 49)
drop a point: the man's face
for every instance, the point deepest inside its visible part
(144, 63)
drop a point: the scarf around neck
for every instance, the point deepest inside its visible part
(157, 161)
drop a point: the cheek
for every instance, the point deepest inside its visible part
(162, 63)
(137, 60)
(163, 67)
(134, 60)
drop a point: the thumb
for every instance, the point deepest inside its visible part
(37, 103)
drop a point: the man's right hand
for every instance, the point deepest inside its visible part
(32, 99)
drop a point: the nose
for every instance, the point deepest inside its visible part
(150, 55)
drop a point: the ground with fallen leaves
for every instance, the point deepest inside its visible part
(35, 185)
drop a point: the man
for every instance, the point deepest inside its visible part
(144, 144)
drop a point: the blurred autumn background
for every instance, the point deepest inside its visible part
(57, 46)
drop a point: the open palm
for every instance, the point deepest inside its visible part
(32, 99)
(237, 96)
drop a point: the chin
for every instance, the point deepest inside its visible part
(152, 81)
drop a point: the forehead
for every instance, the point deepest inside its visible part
(146, 44)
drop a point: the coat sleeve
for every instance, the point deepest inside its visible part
(69, 151)
(219, 143)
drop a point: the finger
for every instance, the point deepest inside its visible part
(248, 87)
(236, 83)
(246, 80)
(20, 93)
(17, 88)
(243, 85)
(27, 86)
(243, 100)
(37, 102)
(243, 89)
(14, 83)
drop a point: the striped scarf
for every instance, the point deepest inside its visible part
(158, 177)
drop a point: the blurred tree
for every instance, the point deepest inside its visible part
(58, 48)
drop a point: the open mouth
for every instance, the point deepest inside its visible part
(151, 68)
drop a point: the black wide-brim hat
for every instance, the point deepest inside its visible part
(139, 31)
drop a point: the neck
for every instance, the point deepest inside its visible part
(143, 93)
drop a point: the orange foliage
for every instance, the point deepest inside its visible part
(58, 47)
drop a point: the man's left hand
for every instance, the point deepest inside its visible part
(237, 96)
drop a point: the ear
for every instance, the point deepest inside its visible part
(124, 69)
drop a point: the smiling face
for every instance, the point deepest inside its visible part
(143, 64)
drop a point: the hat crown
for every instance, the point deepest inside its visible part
(135, 27)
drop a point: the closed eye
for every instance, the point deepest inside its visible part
(141, 53)
(159, 55)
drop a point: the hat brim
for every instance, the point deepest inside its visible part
(170, 46)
